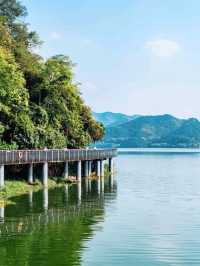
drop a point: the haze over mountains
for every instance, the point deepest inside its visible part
(149, 131)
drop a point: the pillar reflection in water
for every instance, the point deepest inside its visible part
(45, 198)
(86, 185)
(66, 192)
(102, 184)
(111, 182)
(79, 192)
(30, 198)
(99, 185)
(89, 185)
(2, 214)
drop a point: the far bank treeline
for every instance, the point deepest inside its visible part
(40, 105)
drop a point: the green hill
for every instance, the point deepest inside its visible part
(113, 119)
(154, 131)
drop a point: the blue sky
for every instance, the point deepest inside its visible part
(132, 56)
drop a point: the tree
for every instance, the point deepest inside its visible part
(11, 10)
(16, 126)
(40, 105)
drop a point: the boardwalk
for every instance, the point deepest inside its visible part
(89, 158)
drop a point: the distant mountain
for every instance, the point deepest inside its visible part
(154, 131)
(113, 119)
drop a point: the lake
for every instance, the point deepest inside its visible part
(149, 216)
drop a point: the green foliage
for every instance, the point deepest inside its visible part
(11, 10)
(40, 105)
(154, 132)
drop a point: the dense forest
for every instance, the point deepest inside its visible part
(40, 104)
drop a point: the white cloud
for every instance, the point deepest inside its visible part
(55, 36)
(163, 47)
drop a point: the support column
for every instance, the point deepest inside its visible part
(98, 168)
(102, 168)
(45, 174)
(111, 165)
(66, 171)
(2, 182)
(79, 170)
(89, 168)
(30, 174)
(86, 169)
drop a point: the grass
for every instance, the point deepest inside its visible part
(15, 188)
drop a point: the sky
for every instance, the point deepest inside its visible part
(132, 56)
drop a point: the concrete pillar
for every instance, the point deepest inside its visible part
(2, 182)
(86, 169)
(66, 171)
(111, 168)
(98, 168)
(102, 168)
(45, 174)
(89, 168)
(79, 171)
(30, 174)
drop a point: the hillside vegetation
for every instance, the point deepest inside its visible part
(154, 131)
(40, 105)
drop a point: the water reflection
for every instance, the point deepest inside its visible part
(30, 198)
(51, 227)
(45, 198)
(2, 214)
(79, 187)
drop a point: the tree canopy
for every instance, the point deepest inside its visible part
(40, 104)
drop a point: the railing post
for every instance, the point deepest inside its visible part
(2, 182)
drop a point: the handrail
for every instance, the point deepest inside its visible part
(8, 157)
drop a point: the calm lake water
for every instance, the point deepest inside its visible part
(150, 216)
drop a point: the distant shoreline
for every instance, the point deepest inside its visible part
(159, 150)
